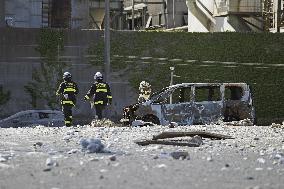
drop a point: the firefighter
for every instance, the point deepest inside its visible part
(144, 91)
(67, 91)
(100, 93)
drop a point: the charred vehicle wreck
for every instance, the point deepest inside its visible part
(195, 103)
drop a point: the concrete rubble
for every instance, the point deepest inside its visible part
(249, 155)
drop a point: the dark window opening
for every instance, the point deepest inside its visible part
(160, 19)
(43, 115)
(233, 93)
(184, 94)
(60, 13)
(211, 93)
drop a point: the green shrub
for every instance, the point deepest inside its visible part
(266, 48)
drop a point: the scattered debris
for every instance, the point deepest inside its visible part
(161, 166)
(94, 159)
(261, 160)
(67, 138)
(244, 122)
(47, 169)
(209, 158)
(103, 123)
(92, 145)
(171, 142)
(38, 144)
(141, 123)
(195, 141)
(3, 159)
(180, 155)
(51, 162)
(112, 158)
(277, 125)
(173, 125)
(72, 151)
(191, 134)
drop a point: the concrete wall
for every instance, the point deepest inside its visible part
(25, 13)
(18, 58)
(2, 14)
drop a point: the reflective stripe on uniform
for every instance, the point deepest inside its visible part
(69, 90)
(101, 90)
(87, 97)
(99, 102)
(67, 122)
(67, 102)
(109, 96)
(100, 84)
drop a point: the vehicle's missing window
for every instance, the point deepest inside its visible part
(233, 93)
(208, 93)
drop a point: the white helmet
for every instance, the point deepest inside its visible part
(67, 75)
(144, 84)
(98, 75)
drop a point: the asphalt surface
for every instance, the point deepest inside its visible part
(53, 158)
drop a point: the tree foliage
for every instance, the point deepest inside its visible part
(46, 78)
(4, 96)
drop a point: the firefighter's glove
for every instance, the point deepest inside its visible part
(86, 98)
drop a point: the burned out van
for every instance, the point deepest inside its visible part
(195, 103)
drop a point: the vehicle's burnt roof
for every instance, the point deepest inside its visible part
(206, 84)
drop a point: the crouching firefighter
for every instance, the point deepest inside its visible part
(144, 91)
(100, 93)
(67, 91)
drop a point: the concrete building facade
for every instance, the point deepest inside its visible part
(2, 14)
(59, 13)
(234, 15)
(155, 13)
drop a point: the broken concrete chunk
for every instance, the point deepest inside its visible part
(112, 158)
(2, 159)
(173, 124)
(38, 144)
(277, 125)
(140, 123)
(136, 123)
(180, 155)
(72, 151)
(197, 139)
(261, 160)
(51, 162)
(92, 145)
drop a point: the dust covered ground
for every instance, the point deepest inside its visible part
(53, 158)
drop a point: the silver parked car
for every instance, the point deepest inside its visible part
(195, 103)
(50, 118)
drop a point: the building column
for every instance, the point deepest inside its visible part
(2, 13)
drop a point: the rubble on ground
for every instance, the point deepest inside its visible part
(91, 145)
(278, 125)
(244, 122)
(258, 150)
(103, 123)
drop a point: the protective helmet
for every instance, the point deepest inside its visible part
(98, 75)
(144, 84)
(67, 75)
